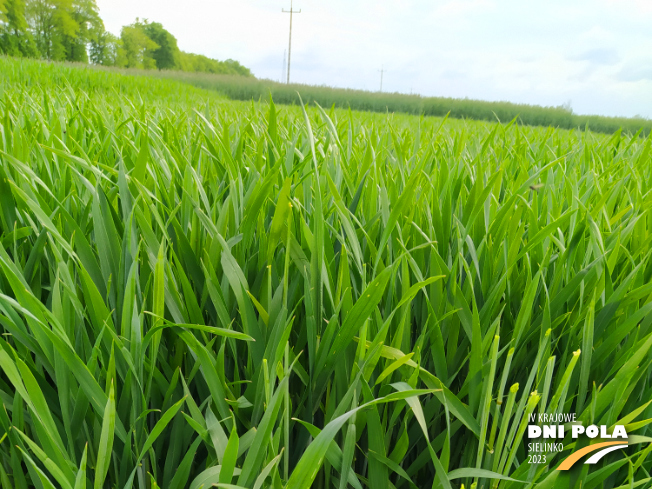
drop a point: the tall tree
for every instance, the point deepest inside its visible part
(166, 54)
(87, 17)
(51, 21)
(104, 48)
(15, 39)
(137, 47)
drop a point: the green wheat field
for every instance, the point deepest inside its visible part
(197, 292)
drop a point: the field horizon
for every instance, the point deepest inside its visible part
(250, 88)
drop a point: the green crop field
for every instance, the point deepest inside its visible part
(198, 292)
(249, 88)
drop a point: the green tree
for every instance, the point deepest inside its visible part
(87, 17)
(237, 68)
(15, 39)
(199, 63)
(167, 53)
(137, 47)
(51, 22)
(104, 48)
(72, 30)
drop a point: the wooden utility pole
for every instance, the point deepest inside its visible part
(382, 70)
(291, 11)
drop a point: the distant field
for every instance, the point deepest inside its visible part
(239, 88)
(197, 292)
(247, 89)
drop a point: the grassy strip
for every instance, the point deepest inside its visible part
(238, 88)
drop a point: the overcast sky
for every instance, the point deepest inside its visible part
(595, 54)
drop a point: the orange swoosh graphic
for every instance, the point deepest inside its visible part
(575, 456)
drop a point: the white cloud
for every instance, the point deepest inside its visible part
(631, 7)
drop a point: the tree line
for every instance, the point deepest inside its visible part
(72, 30)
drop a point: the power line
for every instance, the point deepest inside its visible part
(382, 70)
(291, 11)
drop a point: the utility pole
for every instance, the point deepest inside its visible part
(285, 53)
(382, 70)
(291, 11)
